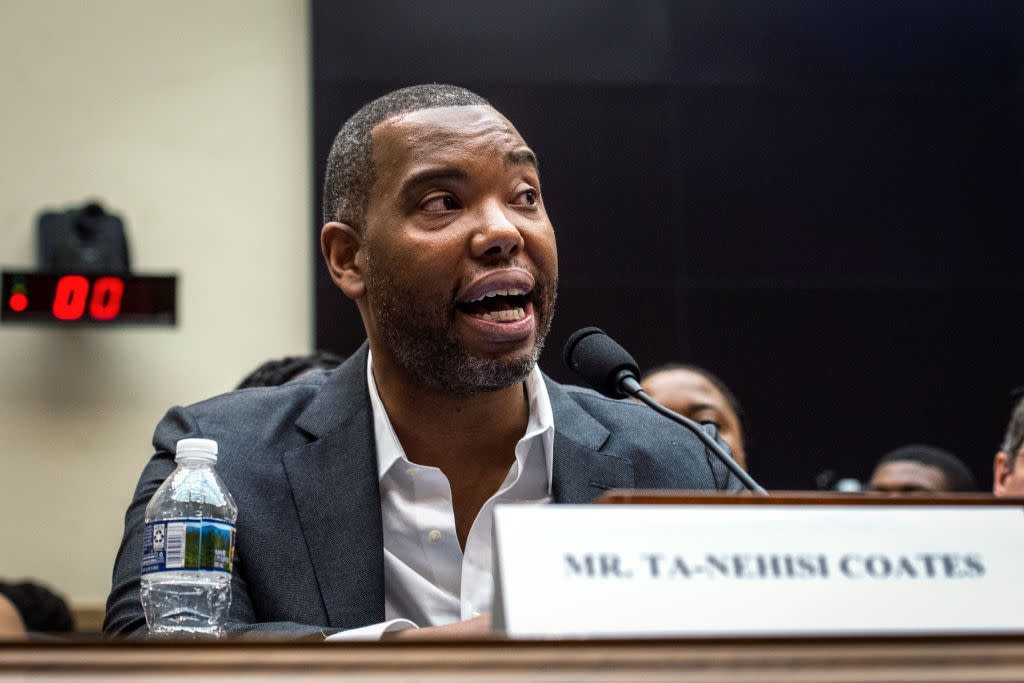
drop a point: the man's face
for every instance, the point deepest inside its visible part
(908, 476)
(692, 395)
(458, 254)
(1008, 477)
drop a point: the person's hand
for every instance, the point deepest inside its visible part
(477, 627)
(11, 625)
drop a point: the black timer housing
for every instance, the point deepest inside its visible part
(83, 240)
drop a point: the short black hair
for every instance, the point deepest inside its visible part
(958, 476)
(350, 171)
(1014, 438)
(717, 383)
(278, 371)
(41, 610)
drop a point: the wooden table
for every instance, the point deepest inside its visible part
(795, 660)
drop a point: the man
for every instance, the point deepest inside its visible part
(921, 469)
(365, 494)
(1007, 474)
(699, 395)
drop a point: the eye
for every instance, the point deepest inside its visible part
(708, 417)
(526, 196)
(439, 203)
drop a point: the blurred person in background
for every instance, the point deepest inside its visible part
(1007, 473)
(11, 626)
(38, 609)
(919, 468)
(276, 372)
(699, 395)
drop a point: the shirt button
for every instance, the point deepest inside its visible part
(434, 536)
(411, 471)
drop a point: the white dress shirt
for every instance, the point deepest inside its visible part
(428, 579)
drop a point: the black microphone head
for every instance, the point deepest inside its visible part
(599, 360)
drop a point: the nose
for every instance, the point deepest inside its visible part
(496, 236)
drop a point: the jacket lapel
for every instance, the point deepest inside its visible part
(334, 484)
(580, 471)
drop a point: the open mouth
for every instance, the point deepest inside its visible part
(498, 306)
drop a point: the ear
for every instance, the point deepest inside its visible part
(1000, 471)
(342, 249)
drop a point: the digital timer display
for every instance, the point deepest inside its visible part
(89, 298)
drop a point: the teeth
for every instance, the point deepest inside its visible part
(508, 316)
(500, 292)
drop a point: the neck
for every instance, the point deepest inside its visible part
(460, 434)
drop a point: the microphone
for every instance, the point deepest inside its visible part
(609, 368)
(599, 360)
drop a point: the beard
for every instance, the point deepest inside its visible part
(420, 333)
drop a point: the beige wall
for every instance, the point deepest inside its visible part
(192, 120)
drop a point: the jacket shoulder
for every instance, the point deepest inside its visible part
(244, 419)
(618, 413)
(663, 453)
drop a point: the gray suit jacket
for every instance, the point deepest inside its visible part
(300, 461)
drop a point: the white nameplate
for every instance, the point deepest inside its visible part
(740, 570)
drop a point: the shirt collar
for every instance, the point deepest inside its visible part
(540, 425)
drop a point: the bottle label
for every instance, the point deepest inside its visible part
(188, 544)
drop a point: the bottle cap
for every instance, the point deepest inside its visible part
(199, 449)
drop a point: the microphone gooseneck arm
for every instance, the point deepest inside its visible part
(607, 367)
(628, 384)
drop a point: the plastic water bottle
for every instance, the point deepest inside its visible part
(189, 547)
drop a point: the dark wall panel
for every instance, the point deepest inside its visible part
(819, 202)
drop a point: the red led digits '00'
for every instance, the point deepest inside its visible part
(73, 293)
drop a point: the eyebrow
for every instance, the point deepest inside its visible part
(431, 175)
(523, 157)
(517, 158)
